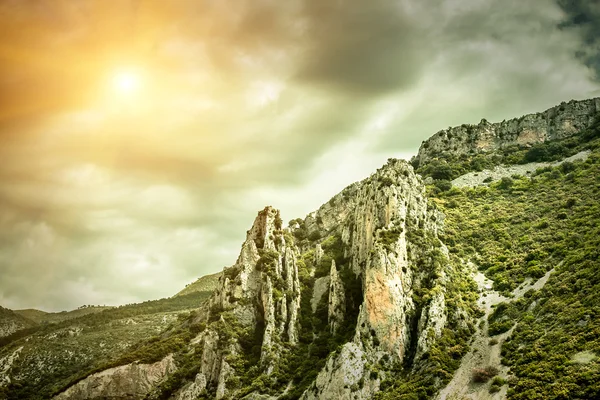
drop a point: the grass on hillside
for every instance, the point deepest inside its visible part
(518, 229)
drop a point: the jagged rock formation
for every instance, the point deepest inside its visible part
(320, 288)
(558, 122)
(131, 381)
(262, 292)
(386, 237)
(337, 300)
(390, 235)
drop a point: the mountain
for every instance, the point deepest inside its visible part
(470, 272)
(11, 322)
(207, 283)
(42, 317)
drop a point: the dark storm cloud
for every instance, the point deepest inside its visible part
(367, 47)
(584, 17)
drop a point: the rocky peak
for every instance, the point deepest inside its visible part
(337, 301)
(558, 122)
(389, 235)
(261, 293)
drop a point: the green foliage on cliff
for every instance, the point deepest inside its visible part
(520, 231)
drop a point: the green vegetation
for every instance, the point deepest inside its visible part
(71, 350)
(497, 383)
(332, 250)
(521, 228)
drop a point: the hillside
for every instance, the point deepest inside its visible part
(51, 355)
(11, 322)
(206, 283)
(42, 317)
(470, 272)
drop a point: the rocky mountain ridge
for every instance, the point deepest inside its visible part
(556, 123)
(373, 295)
(11, 322)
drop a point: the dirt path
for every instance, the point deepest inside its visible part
(484, 352)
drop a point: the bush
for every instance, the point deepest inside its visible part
(443, 185)
(482, 375)
(497, 383)
(505, 183)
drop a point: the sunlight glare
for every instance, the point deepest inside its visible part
(126, 82)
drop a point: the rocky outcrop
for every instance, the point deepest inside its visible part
(390, 240)
(131, 381)
(557, 122)
(261, 291)
(337, 300)
(320, 288)
(6, 364)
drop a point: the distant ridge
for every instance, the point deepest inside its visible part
(207, 283)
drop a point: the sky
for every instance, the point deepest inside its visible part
(139, 138)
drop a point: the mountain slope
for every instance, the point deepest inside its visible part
(42, 317)
(206, 283)
(11, 322)
(42, 360)
(400, 287)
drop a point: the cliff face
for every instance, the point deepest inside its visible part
(261, 293)
(382, 276)
(132, 381)
(390, 239)
(388, 265)
(556, 123)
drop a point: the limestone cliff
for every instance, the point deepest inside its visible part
(558, 122)
(261, 293)
(390, 240)
(370, 258)
(337, 301)
(132, 381)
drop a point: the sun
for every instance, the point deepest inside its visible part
(126, 82)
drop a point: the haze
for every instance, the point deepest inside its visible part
(140, 138)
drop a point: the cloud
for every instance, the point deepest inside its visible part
(107, 199)
(583, 17)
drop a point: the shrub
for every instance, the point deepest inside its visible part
(505, 183)
(482, 375)
(443, 185)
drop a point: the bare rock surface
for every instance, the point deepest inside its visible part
(558, 122)
(379, 220)
(131, 381)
